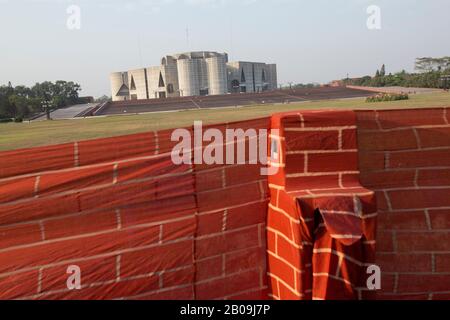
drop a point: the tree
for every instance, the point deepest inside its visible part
(102, 99)
(21, 101)
(428, 64)
(383, 70)
(377, 74)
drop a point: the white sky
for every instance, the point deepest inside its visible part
(311, 41)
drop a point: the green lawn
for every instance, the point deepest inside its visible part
(24, 135)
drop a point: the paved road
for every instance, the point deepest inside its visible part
(68, 112)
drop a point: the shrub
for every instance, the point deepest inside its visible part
(6, 120)
(381, 97)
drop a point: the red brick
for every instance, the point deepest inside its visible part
(382, 201)
(92, 271)
(17, 189)
(19, 285)
(311, 183)
(165, 142)
(295, 163)
(253, 295)
(398, 262)
(77, 248)
(387, 141)
(271, 238)
(158, 210)
(423, 283)
(442, 262)
(80, 224)
(286, 293)
(434, 137)
(243, 174)
(248, 215)
(434, 177)
(388, 179)
(441, 296)
(423, 241)
(312, 140)
(349, 140)
(185, 293)
(174, 187)
(385, 241)
(179, 229)
(280, 269)
(210, 223)
(19, 235)
(208, 201)
(210, 268)
(119, 195)
(387, 282)
(159, 258)
(366, 120)
(328, 118)
(34, 209)
(24, 161)
(279, 222)
(149, 168)
(417, 117)
(75, 180)
(423, 198)
(370, 161)
(440, 219)
(113, 149)
(228, 286)
(288, 252)
(420, 158)
(116, 290)
(402, 297)
(209, 180)
(227, 242)
(414, 220)
(244, 260)
(178, 277)
(333, 162)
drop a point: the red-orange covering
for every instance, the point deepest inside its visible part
(321, 222)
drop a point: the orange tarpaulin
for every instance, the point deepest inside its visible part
(321, 222)
(140, 227)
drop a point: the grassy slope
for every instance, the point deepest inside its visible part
(24, 135)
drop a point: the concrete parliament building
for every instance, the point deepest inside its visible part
(193, 74)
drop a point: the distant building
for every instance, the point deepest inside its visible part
(193, 74)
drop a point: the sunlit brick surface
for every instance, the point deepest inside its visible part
(405, 158)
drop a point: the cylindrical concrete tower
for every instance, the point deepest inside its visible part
(119, 86)
(187, 77)
(217, 74)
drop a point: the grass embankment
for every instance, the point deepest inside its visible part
(24, 135)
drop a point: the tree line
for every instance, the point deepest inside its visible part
(429, 75)
(20, 101)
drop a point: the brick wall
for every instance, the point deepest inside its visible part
(141, 228)
(321, 221)
(138, 226)
(405, 157)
